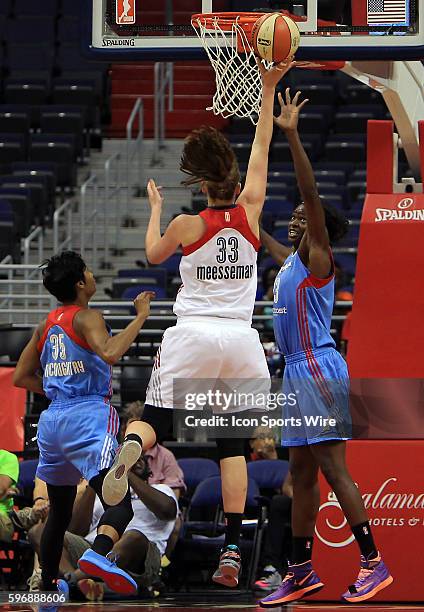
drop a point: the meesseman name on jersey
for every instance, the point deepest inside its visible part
(224, 272)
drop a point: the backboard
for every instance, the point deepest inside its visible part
(125, 30)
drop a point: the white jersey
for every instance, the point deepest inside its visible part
(155, 530)
(218, 271)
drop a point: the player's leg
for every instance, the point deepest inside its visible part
(274, 557)
(301, 579)
(157, 416)
(61, 500)
(374, 575)
(97, 561)
(131, 551)
(156, 424)
(234, 490)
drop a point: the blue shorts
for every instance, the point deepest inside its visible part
(317, 392)
(76, 439)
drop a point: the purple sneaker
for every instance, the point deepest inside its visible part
(372, 578)
(300, 581)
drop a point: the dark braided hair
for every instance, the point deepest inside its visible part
(208, 156)
(336, 223)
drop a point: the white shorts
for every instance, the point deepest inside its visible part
(212, 350)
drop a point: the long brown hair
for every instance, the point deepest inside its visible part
(208, 156)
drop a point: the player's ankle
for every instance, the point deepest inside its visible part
(135, 437)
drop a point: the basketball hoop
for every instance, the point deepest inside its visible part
(227, 40)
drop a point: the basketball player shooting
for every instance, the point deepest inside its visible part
(317, 375)
(213, 338)
(77, 433)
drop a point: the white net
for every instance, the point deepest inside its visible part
(238, 81)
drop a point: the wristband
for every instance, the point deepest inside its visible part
(37, 498)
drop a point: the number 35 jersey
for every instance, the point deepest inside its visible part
(70, 368)
(218, 271)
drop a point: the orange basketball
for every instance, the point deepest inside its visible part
(275, 37)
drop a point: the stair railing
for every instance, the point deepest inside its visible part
(163, 85)
(134, 154)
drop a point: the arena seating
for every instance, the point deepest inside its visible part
(51, 106)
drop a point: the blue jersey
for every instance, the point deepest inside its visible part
(70, 368)
(303, 305)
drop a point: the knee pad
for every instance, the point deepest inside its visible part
(118, 516)
(230, 447)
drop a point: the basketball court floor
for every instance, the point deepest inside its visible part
(195, 604)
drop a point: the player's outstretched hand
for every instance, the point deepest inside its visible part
(289, 111)
(142, 303)
(155, 195)
(271, 77)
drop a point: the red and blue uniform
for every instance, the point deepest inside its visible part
(316, 374)
(77, 433)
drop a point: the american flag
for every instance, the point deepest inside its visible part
(387, 11)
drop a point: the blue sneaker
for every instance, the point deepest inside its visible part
(62, 589)
(300, 581)
(93, 564)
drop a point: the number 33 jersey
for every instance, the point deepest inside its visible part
(218, 271)
(70, 368)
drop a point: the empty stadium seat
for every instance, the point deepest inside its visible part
(59, 153)
(5, 7)
(21, 205)
(29, 7)
(319, 94)
(332, 176)
(10, 151)
(312, 123)
(71, 8)
(52, 122)
(36, 192)
(352, 123)
(345, 152)
(14, 123)
(47, 177)
(278, 207)
(361, 94)
(69, 29)
(7, 240)
(131, 292)
(280, 152)
(355, 210)
(31, 30)
(159, 274)
(22, 92)
(347, 262)
(30, 57)
(134, 380)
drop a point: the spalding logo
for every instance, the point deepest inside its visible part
(405, 203)
(402, 214)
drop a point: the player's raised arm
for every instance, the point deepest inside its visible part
(254, 190)
(90, 325)
(279, 252)
(158, 247)
(26, 371)
(319, 261)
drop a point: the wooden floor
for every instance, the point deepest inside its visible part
(195, 605)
